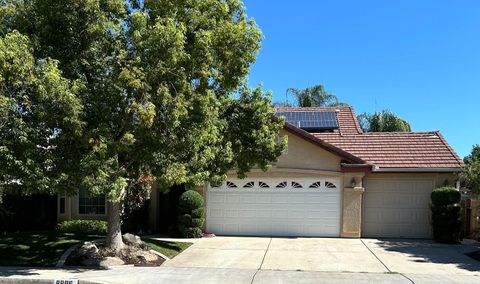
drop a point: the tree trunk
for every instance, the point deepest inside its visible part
(114, 232)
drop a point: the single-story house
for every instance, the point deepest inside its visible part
(333, 180)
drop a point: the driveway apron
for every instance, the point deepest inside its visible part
(305, 254)
(223, 252)
(313, 254)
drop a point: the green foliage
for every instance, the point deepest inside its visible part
(170, 249)
(470, 176)
(314, 96)
(101, 94)
(446, 219)
(38, 108)
(445, 196)
(97, 227)
(38, 249)
(148, 91)
(191, 214)
(252, 133)
(384, 121)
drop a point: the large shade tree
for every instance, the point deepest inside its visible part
(384, 121)
(106, 94)
(470, 175)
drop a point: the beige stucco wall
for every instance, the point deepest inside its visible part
(352, 204)
(302, 154)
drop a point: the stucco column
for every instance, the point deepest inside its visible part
(352, 212)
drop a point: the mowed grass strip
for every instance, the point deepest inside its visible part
(38, 249)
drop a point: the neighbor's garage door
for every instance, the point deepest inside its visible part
(276, 207)
(397, 208)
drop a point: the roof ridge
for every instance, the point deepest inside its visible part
(400, 132)
(357, 124)
(452, 152)
(313, 108)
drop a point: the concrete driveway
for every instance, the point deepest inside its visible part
(408, 258)
(287, 260)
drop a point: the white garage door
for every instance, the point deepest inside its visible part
(275, 207)
(397, 208)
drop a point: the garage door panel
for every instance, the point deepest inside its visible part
(280, 198)
(229, 214)
(246, 213)
(217, 198)
(216, 213)
(230, 198)
(275, 211)
(264, 198)
(424, 186)
(299, 214)
(247, 198)
(406, 187)
(397, 208)
(391, 185)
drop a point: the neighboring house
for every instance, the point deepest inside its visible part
(333, 180)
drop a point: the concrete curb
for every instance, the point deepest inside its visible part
(39, 281)
(160, 255)
(65, 255)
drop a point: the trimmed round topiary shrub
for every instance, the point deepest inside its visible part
(190, 214)
(446, 218)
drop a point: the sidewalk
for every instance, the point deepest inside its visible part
(216, 275)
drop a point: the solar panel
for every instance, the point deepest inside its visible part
(311, 120)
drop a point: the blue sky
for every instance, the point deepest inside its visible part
(419, 59)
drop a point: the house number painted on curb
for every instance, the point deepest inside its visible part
(65, 281)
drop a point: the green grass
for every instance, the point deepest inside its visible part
(170, 249)
(38, 248)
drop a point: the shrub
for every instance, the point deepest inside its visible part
(190, 214)
(94, 227)
(446, 218)
(445, 196)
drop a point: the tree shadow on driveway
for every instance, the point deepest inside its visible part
(424, 251)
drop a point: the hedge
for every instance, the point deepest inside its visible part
(91, 227)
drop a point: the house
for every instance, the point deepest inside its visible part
(333, 180)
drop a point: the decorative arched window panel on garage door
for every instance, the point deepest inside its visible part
(277, 184)
(329, 184)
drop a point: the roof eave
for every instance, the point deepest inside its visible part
(376, 169)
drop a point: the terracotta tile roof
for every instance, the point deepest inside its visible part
(417, 150)
(347, 120)
(398, 149)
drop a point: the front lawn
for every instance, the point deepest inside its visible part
(38, 248)
(44, 248)
(169, 249)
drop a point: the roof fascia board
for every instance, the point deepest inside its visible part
(417, 170)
